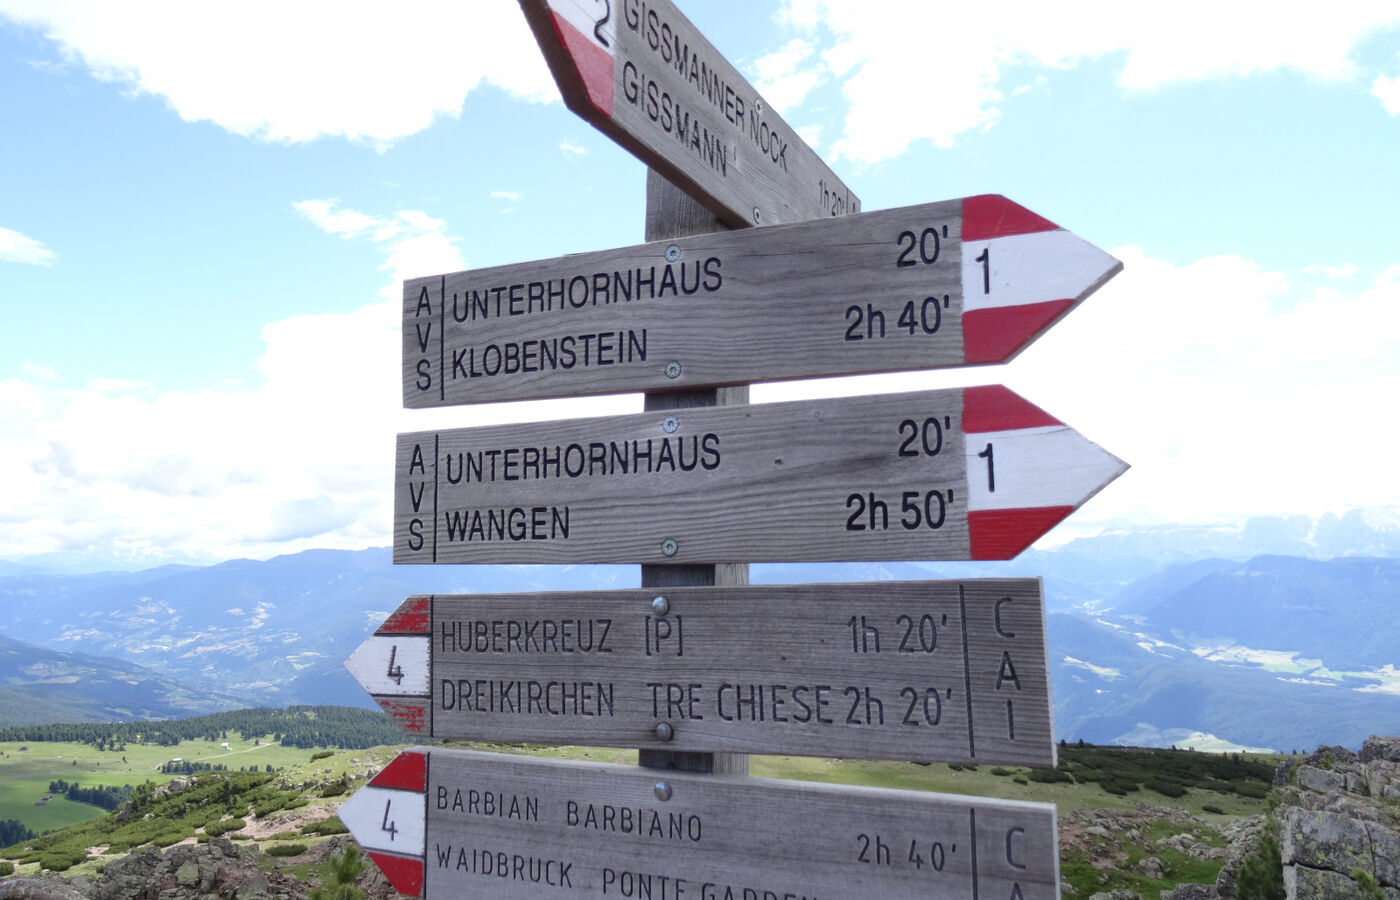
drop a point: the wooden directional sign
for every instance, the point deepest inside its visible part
(970, 473)
(941, 671)
(955, 283)
(444, 824)
(643, 75)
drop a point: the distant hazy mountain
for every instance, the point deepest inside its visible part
(1153, 633)
(1359, 532)
(39, 686)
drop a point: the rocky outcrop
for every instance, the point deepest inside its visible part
(1339, 822)
(219, 869)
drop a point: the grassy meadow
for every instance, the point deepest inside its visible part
(27, 768)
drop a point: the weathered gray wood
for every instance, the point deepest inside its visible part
(894, 290)
(937, 671)
(899, 476)
(643, 75)
(671, 213)
(590, 830)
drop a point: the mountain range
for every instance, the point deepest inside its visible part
(1279, 633)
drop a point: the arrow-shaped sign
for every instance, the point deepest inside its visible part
(643, 75)
(444, 824)
(970, 473)
(955, 283)
(940, 671)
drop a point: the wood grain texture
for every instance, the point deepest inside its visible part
(936, 671)
(681, 108)
(718, 836)
(671, 213)
(772, 482)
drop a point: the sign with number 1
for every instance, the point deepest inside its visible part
(955, 283)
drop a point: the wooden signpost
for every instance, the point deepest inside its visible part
(700, 485)
(955, 283)
(444, 824)
(969, 473)
(638, 71)
(941, 671)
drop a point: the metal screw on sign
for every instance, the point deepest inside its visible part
(673, 253)
(758, 106)
(660, 605)
(670, 424)
(664, 731)
(663, 791)
(757, 216)
(673, 369)
(669, 547)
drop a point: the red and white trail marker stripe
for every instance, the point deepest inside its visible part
(1026, 471)
(388, 817)
(1020, 274)
(393, 665)
(590, 44)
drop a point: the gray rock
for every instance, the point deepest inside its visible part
(188, 873)
(1152, 867)
(1116, 894)
(1321, 780)
(1190, 891)
(1385, 846)
(1386, 749)
(1324, 840)
(21, 888)
(1302, 883)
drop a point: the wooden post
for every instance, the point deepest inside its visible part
(671, 213)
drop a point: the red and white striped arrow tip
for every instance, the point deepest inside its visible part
(388, 818)
(1026, 471)
(589, 45)
(1020, 274)
(392, 666)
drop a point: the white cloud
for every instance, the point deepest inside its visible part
(935, 71)
(21, 248)
(298, 71)
(511, 196)
(302, 459)
(1387, 90)
(572, 149)
(788, 75)
(1336, 273)
(414, 242)
(39, 373)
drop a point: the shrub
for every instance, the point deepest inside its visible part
(1165, 787)
(171, 837)
(335, 789)
(1366, 885)
(1001, 770)
(214, 829)
(1020, 779)
(61, 860)
(286, 850)
(1212, 808)
(6, 868)
(330, 826)
(324, 754)
(1261, 875)
(1048, 776)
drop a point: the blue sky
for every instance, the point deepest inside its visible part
(206, 212)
